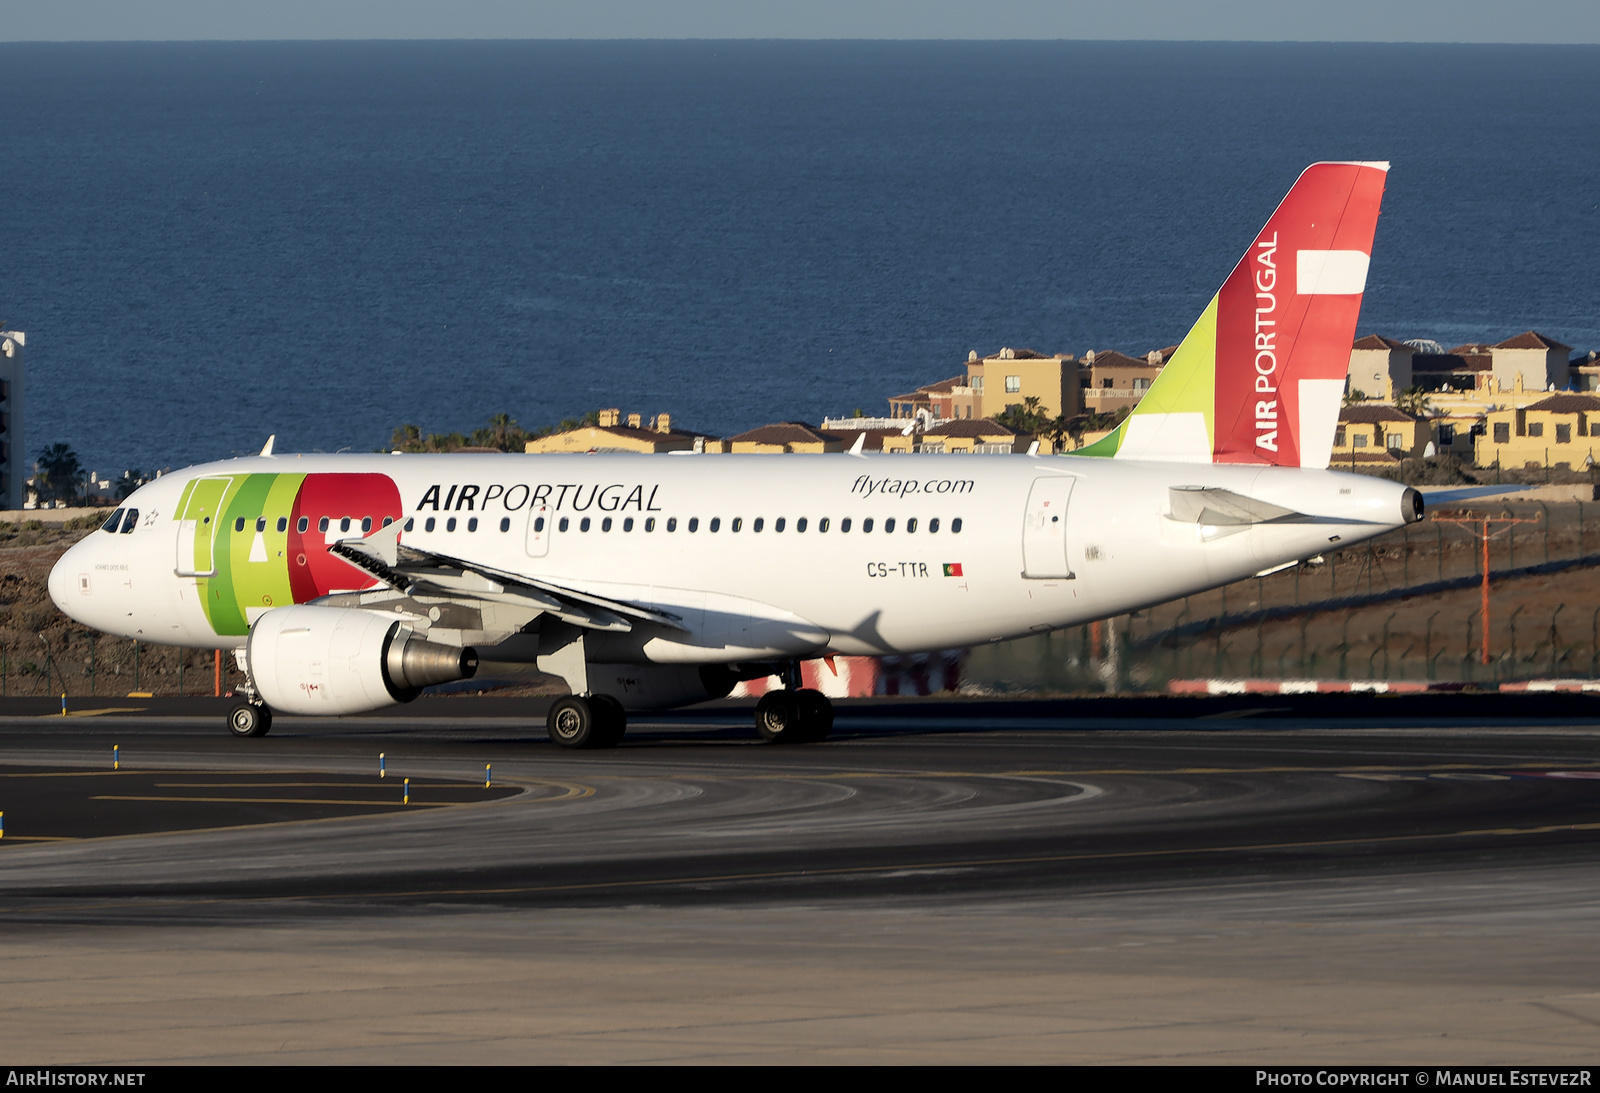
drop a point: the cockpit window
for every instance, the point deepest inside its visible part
(112, 522)
(131, 521)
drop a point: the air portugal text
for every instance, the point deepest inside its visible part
(568, 496)
(1266, 342)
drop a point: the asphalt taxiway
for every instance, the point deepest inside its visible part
(1239, 881)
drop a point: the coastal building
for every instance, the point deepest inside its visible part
(994, 383)
(872, 432)
(1375, 433)
(980, 436)
(13, 453)
(1561, 428)
(1379, 367)
(611, 435)
(1114, 382)
(785, 436)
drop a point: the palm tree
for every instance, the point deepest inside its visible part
(1414, 401)
(63, 474)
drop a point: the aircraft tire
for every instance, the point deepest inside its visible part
(248, 719)
(613, 720)
(816, 716)
(588, 723)
(778, 718)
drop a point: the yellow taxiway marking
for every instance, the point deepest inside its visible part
(275, 801)
(375, 783)
(108, 709)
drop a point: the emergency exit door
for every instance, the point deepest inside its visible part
(1044, 529)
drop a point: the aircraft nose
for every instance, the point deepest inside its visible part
(65, 576)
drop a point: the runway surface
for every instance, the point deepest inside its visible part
(1242, 882)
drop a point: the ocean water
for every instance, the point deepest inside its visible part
(210, 242)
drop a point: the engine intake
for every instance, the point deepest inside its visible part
(336, 660)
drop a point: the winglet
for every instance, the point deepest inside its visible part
(266, 449)
(861, 440)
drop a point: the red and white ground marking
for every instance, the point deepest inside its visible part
(1544, 685)
(1301, 687)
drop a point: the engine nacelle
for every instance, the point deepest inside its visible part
(661, 686)
(337, 660)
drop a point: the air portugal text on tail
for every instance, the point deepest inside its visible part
(1260, 377)
(345, 583)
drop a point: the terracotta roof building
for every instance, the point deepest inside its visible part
(785, 436)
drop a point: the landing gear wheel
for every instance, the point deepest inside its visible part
(778, 718)
(613, 720)
(593, 722)
(248, 719)
(816, 716)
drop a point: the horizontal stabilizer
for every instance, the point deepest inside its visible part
(1224, 508)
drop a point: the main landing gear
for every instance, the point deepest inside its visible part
(595, 721)
(794, 717)
(249, 719)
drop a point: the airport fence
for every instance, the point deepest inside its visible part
(1405, 606)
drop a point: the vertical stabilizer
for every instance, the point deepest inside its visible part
(1260, 376)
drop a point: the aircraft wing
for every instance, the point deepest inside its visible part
(425, 574)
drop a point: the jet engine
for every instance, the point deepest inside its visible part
(335, 660)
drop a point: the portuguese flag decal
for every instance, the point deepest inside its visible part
(952, 569)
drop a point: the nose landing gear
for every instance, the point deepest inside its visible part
(249, 719)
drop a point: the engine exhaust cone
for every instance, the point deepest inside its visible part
(414, 663)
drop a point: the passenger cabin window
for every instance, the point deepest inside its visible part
(472, 523)
(450, 524)
(366, 524)
(933, 525)
(583, 525)
(283, 524)
(888, 525)
(322, 524)
(113, 522)
(800, 524)
(261, 523)
(759, 524)
(738, 523)
(411, 522)
(238, 525)
(955, 526)
(866, 526)
(844, 525)
(672, 523)
(694, 523)
(605, 525)
(304, 522)
(627, 523)
(432, 523)
(505, 523)
(822, 524)
(344, 524)
(716, 523)
(650, 523)
(777, 525)
(564, 524)
(911, 525)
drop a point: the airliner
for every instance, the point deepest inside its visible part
(348, 583)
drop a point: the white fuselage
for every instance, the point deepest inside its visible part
(745, 593)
